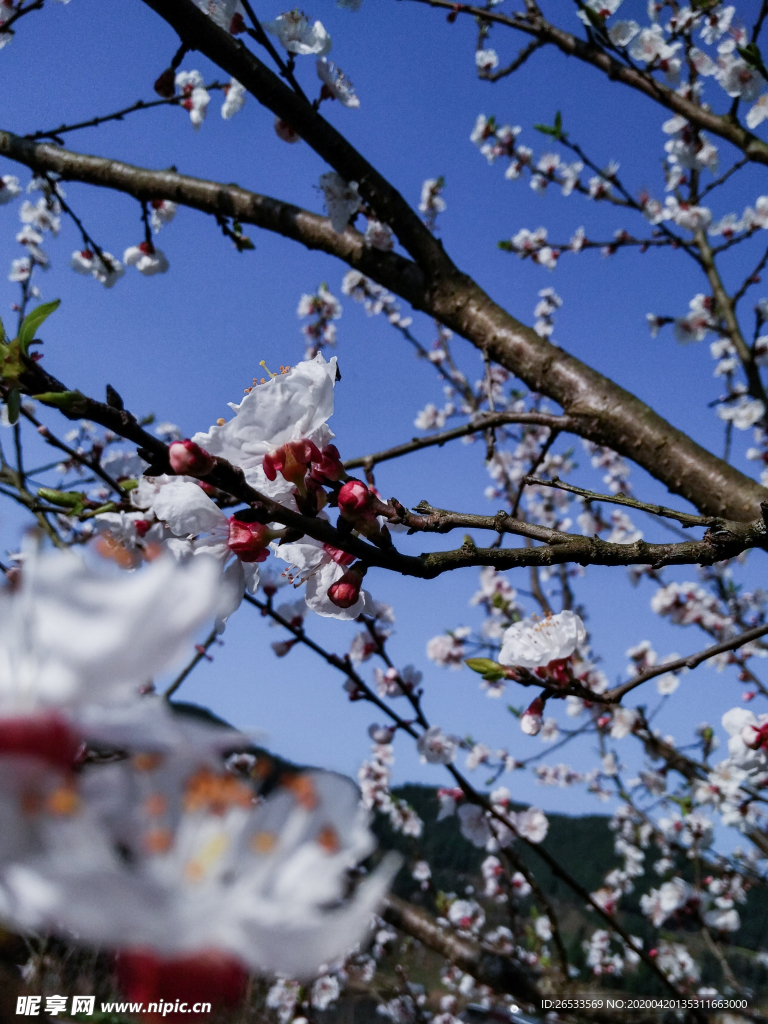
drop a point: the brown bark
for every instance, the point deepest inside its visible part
(599, 409)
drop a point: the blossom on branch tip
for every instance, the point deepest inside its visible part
(744, 413)
(535, 643)
(196, 96)
(486, 60)
(298, 36)
(87, 262)
(531, 720)
(234, 99)
(9, 188)
(336, 85)
(290, 408)
(163, 212)
(342, 200)
(437, 747)
(147, 259)
(602, 8)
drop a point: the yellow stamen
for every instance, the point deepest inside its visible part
(62, 802)
(264, 842)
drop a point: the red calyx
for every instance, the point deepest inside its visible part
(189, 459)
(328, 466)
(339, 556)
(249, 541)
(47, 737)
(209, 976)
(142, 526)
(292, 460)
(237, 25)
(346, 591)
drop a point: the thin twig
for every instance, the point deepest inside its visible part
(202, 652)
(481, 423)
(691, 661)
(619, 499)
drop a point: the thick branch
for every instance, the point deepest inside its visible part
(596, 407)
(211, 197)
(197, 31)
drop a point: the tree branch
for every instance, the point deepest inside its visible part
(597, 408)
(722, 125)
(614, 696)
(476, 426)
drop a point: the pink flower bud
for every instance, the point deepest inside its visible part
(47, 737)
(328, 466)
(345, 592)
(531, 721)
(249, 541)
(189, 459)
(356, 501)
(292, 460)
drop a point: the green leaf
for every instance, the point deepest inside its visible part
(488, 669)
(3, 335)
(505, 245)
(13, 401)
(65, 400)
(555, 130)
(33, 320)
(74, 500)
(517, 712)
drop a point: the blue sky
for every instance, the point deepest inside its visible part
(186, 343)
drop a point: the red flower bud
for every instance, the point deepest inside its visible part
(237, 25)
(47, 737)
(249, 541)
(142, 526)
(356, 501)
(195, 977)
(292, 460)
(189, 459)
(345, 592)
